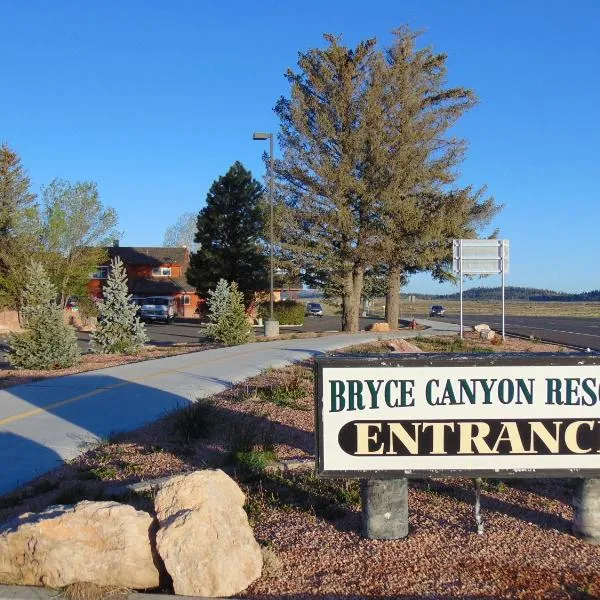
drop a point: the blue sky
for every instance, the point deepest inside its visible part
(153, 100)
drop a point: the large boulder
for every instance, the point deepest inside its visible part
(481, 327)
(487, 334)
(204, 537)
(378, 327)
(403, 346)
(105, 543)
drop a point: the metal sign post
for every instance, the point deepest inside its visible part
(480, 257)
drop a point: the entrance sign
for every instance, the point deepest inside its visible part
(477, 416)
(480, 257)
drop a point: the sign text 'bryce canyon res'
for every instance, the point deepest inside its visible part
(476, 415)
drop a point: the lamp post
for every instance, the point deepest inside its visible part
(274, 325)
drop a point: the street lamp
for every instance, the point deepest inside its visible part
(269, 136)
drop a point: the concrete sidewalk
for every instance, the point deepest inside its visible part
(49, 421)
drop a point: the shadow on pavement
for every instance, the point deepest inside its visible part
(53, 417)
(22, 459)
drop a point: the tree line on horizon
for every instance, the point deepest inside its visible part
(516, 293)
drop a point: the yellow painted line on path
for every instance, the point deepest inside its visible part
(37, 411)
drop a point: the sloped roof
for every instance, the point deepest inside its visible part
(165, 286)
(152, 256)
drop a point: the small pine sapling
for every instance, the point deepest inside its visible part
(119, 329)
(48, 342)
(228, 320)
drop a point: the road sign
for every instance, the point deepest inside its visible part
(480, 257)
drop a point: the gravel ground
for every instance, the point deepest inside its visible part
(526, 551)
(92, 362)
(311, 527)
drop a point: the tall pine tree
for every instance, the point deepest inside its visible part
(329, 219)
(368, 164)
(229, 232)
(18, 240)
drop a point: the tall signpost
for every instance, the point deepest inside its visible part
(480, 257)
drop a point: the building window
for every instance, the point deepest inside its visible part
(161, 272)
(100, 273)
(186, 300)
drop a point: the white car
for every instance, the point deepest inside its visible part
(314, 309)
(158, 308)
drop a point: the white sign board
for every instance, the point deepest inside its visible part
(475, 416)
(480, 257)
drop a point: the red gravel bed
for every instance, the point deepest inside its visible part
(312, 527)
(526, 551)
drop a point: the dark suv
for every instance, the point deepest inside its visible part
(437, 311)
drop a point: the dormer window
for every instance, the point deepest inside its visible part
(161, 272)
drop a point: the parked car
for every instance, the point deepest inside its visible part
(314, 309)
(158, 308)
(437, 311)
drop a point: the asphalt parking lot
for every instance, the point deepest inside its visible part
(188, 331)
(580, 332)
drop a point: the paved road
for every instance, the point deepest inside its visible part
(580, 332)
(45, 422)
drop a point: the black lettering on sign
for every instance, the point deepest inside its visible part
(471, 437)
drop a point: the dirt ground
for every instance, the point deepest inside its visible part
(311, 527)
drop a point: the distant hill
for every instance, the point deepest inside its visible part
(517, 293)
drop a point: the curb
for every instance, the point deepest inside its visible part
(26, 592)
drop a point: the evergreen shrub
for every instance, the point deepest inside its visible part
(119, 329)
(48, 342)
(287, 312)
(228, 322)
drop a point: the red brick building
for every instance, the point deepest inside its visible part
(153, 271)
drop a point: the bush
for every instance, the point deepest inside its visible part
(287, 312)
(228, 320)
(119, 329)
(194, 421)
(48, 342)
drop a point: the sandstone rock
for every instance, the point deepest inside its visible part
(403, 346)
(204, 538)
(196, 490)
(378, 327)
(106, 543)
(481, 327)
(487, 334)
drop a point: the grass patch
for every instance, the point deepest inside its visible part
(379, 347)
(104, 473)
(441, 344)
(91, 591)
(454, 344)
(194, 421)
(327, 498)
(251, 449)
(280, 396)
(288, 387)
(254, 461)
